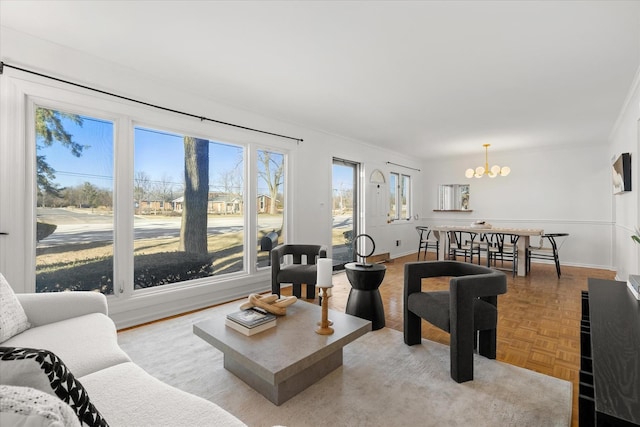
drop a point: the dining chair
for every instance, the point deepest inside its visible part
(502, 247)
(547, 249)
(426, 241)
(466, 243)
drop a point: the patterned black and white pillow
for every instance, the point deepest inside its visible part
(43, 370)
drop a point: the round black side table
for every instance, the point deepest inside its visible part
(364, 298)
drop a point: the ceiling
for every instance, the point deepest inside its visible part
(425, 78)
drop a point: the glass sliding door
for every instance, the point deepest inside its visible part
(345, 211)
(74, 212)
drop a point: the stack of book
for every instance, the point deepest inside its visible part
(250, 321)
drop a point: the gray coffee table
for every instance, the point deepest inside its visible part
(282, 361)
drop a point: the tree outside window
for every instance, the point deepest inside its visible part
(399, 196)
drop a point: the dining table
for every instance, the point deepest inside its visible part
(443, 234)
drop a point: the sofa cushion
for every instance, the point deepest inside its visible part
(128, 396)
(86, 344)
(44, 371)
(29, 407)
(13, 319)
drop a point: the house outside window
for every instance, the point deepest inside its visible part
(270, 215)
(186, 209)
(206, 238)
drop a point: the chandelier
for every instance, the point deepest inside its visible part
(480, 171)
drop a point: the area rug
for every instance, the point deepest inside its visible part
(382, 382)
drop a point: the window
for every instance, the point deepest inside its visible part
(393, 198)
(74, 212)
(270, 178)
(189, 208)
(405, 195)
(399, 196)
(180, 203)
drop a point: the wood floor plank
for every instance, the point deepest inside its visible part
(538, 322)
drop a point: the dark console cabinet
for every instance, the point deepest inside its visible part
(609, 384)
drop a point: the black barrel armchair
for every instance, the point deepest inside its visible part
(302, 269)
(470, 305)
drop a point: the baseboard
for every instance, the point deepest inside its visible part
(379, 258)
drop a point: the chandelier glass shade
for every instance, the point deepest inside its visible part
(481, 171)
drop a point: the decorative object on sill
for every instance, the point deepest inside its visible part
(480, 171)
(271, 303)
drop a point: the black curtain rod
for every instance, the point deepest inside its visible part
(403, 166)
(202, 118)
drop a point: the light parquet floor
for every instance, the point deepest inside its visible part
(539, 316)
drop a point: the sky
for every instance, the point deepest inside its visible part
(159, 154)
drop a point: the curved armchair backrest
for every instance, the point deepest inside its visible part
(485, 281)
(311, 252)
(473, 299)
(423, 232)
(299, 268)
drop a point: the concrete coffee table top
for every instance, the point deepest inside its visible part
(284, 360)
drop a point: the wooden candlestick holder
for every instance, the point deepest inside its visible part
(324, 328)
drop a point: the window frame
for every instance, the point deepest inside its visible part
(21, 95)
(398, 191)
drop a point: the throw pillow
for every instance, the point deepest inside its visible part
(27, 406)
(43, 370)
(13, 319)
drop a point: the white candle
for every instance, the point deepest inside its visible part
(325, 267)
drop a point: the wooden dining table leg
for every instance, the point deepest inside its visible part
(443, 238)
(522, 245)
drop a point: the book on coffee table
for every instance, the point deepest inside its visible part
(249, 331)
(251, 317)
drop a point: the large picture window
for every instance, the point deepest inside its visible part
(189, 208)
(180, 202)
(74, 213)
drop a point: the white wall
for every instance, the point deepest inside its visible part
(561, 190)
(625, 138)
(312, 190)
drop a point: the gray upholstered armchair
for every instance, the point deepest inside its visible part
(470, 305)
(302, 270)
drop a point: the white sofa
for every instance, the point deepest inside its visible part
(75, 326)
